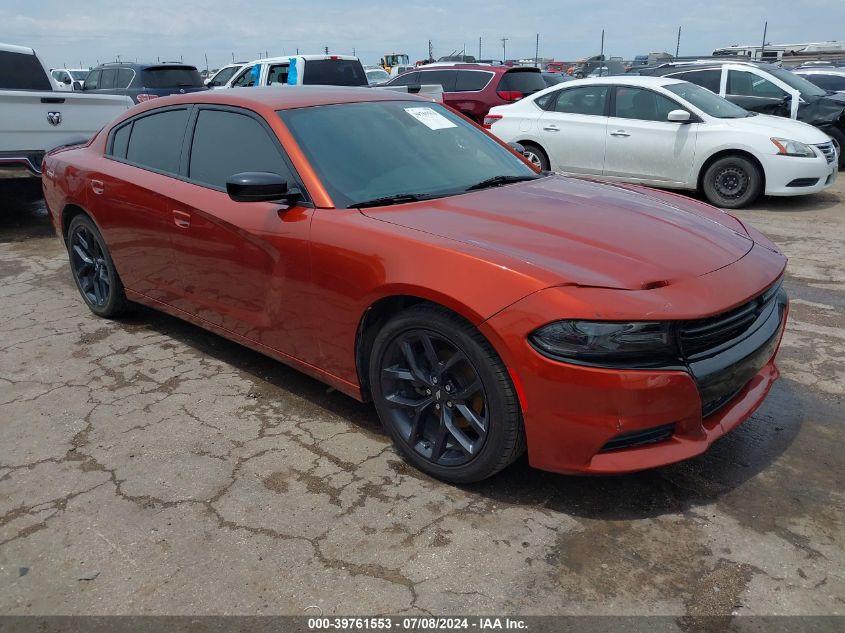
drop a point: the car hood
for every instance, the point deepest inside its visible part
(574, 231)
(769, 125)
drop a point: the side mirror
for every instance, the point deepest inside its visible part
(679, 116)
(66, 80)
(517, 147)
(260, 186)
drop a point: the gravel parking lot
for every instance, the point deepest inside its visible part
(147, 466)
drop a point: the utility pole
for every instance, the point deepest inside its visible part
(537, 51)
(233, 57)
(206, 63)
(602, 44)
(479, 47)
(678, 45)
(763, 47)
(504, 49)
(430, 50)
(354, 54)
(326, 48)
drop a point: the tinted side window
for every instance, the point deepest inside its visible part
(745, 84)
(224, 75)
(524, 81)
(120, 141)
(171, 77)
(828, 82)
(709, 79)
(108, 79)
(546, 101)
(249, 147)
(334, 72)
(408, 79)
(19, 71)
(643, 105)
(156, 140)
(471, 80)
(92, 81)
(445, 78)
(587, 100)
(124, 77)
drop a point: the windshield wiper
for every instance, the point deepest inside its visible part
(398, 198)
(497, 181)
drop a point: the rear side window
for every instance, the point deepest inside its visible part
(19, 71)
(444, 78)
(171, 77)
(472, 80)
(249, 147)
(108, 79)
(278, 74)
(334, 72)
(710, 79)
(828, 82)
(407, 79)
(120, 141)
(156, 140)
(590, 100)
(223, 76)
(247, 78)
(745, 84)
(526, 82)
(124, 77)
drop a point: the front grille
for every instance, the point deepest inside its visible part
(709, 335)
(828, 151)
(639, 438)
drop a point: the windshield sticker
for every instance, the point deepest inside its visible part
(430, 118)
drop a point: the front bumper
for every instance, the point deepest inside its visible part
(793, 176)
(589, 420)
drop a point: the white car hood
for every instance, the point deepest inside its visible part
(780, 127)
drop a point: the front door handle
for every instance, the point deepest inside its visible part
(181, 219)
(621, 133)
(97, 187)
(552, 128)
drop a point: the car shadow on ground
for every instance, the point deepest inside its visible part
(22, 212)
(783, 204)
(731, 461)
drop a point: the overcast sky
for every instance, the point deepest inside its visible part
(70, 32)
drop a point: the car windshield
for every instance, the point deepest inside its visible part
(806, 88)
(78, 74)
(334, 72)
(373, 150)
(376, 76)
(706, 101)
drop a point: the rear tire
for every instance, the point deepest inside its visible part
(444, 396)
(93, 270)
(732, 182)
(536, 155)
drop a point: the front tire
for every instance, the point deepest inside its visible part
(732, 182)
(444, 396)
(93, 269)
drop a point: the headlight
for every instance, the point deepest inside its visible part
(793, 148)
(635, 344)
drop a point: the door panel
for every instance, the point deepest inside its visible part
(643, 144)
(574, 130)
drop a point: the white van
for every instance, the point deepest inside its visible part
(298, 70)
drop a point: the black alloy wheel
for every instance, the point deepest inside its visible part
(93, 269)
(443, 395)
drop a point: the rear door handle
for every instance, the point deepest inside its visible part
(181, 219)
(621, 133)
(97, 187)
(552, 128)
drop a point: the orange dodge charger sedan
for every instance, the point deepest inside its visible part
(391, 248)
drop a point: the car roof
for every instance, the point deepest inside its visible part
(626, 79)
(307, 58)
(144, 66)
(496, 68)
(281, 97)
(820, 70)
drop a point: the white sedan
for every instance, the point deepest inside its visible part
(667, 133)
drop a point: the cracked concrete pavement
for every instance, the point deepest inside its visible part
(150, 467)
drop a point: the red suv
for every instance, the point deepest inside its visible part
(472, 89)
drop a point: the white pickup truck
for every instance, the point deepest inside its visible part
(316, 70)
(35, 118)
